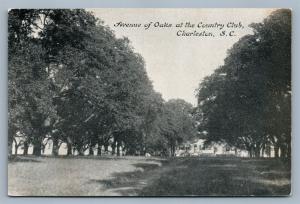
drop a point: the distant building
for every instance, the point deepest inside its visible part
(199, 148)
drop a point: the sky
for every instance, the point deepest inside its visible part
(177, 64)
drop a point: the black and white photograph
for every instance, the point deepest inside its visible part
(149, 102)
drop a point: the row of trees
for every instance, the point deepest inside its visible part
(247, 101)
(72, 81)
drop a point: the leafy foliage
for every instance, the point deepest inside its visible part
(72, 81)
(246, 102)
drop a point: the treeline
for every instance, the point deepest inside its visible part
(247, 101)
(72, 81)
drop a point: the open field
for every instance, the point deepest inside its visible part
(133, 176)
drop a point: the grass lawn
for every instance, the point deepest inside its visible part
(222, 177)
(126, 176)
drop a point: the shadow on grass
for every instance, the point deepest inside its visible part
(204, 177)
(223, 177)
(13, 159)
(129, 183)
(33, 158)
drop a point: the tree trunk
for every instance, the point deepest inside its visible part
(172, 150)
(257, 152)
(11, 133)
(91, 151)
(10, 143)
(25, 152)
(80, 152)
(69, 149)
(55, 147)
(289, 150)
(276, 151)
(118, 149)
(16, 148)
(263, 151)
(106, 148)
(283, 153)
(113, 147)
(99, 149)
(250, 152)
(123, 150)
(10, 149)
(37, 146)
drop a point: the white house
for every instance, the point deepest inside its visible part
(198, 148)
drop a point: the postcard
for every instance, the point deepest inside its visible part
(149, 102)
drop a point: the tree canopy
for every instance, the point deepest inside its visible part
(247, 101)
(72, 81)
